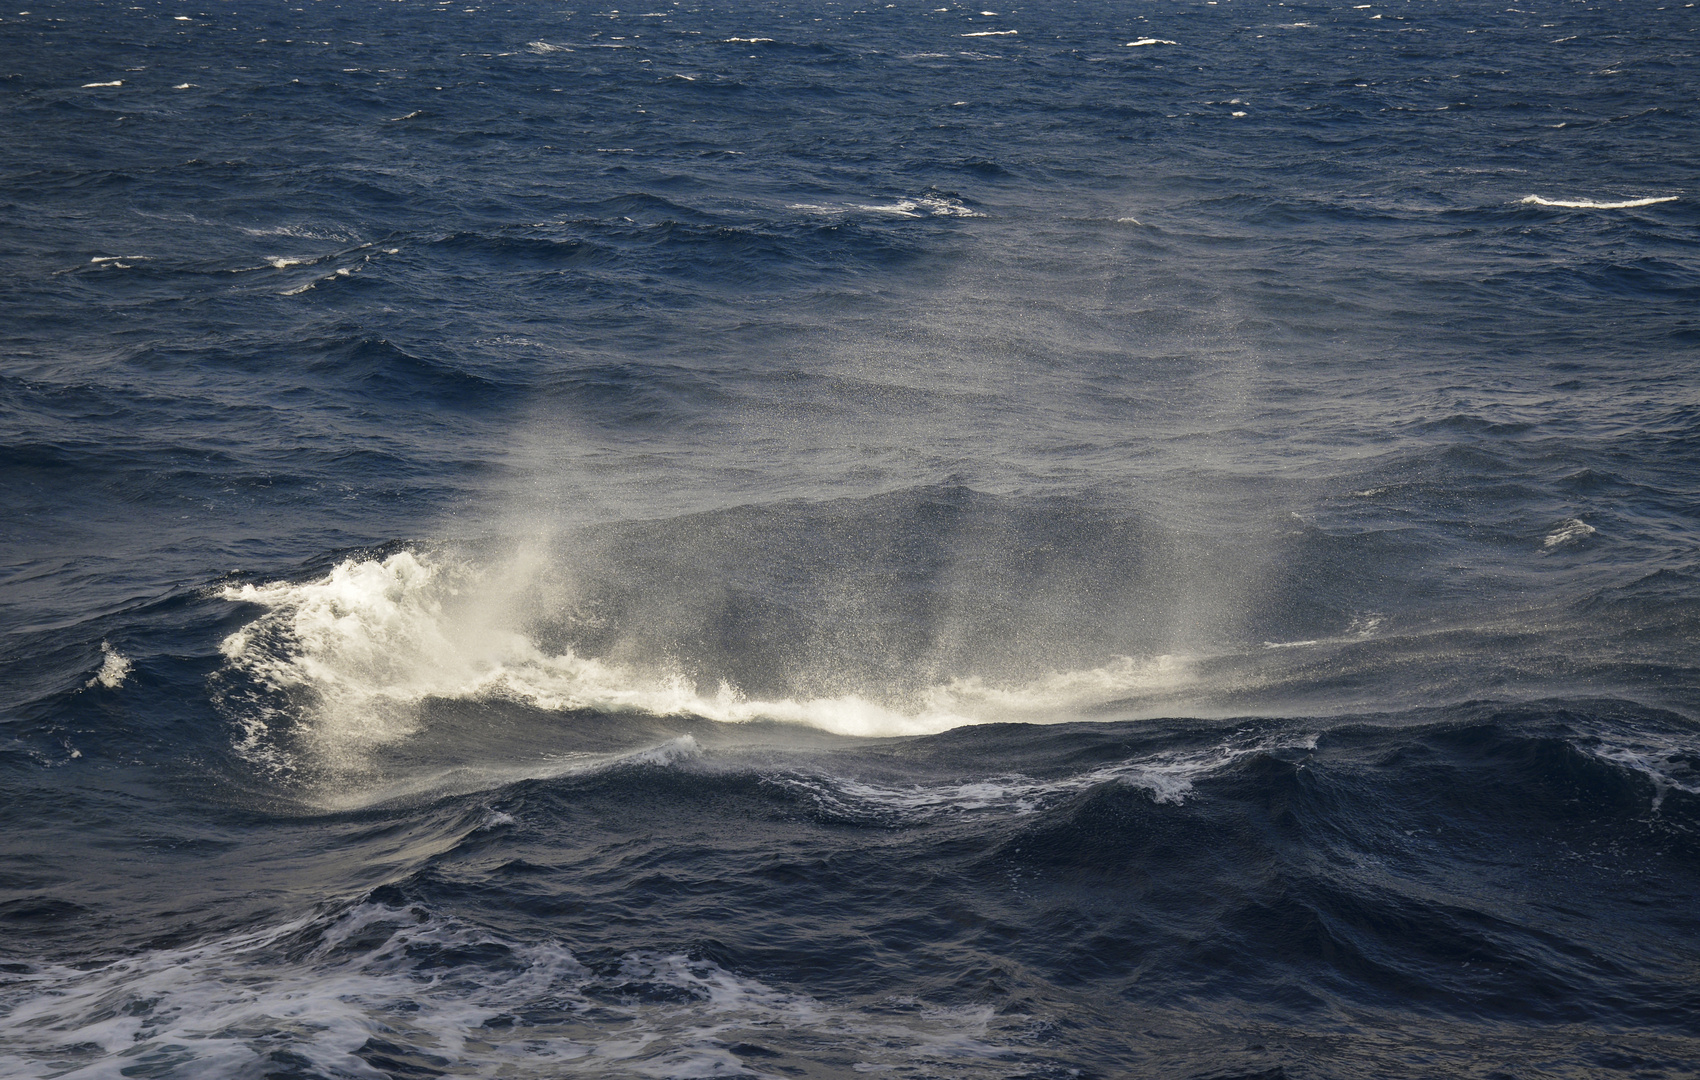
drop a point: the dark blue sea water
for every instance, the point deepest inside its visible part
(795, 539)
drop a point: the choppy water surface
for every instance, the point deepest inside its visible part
(797, 539)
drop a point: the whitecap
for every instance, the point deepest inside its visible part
(1149, 41)
(919, 207)
(1569, 532)
(93, 85)
(942, 206)
(340, 666)
(495, 819)
(299, 232)
(993, 33)
(1590, 204)
(114, 669)
(1662, 763)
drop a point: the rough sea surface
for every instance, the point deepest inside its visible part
(795, 539)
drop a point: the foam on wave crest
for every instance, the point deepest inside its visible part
(921, 206)
(114, 668)
(353, 993)
(1166, 776)
(1592, 204)
(345, 662)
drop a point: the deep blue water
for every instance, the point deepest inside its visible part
(805, 540)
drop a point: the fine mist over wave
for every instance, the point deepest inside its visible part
(423, 666)
(902, 614)
(906, 613)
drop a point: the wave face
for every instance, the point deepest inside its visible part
(801, 540)
(994, 900)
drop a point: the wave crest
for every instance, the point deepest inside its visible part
(1591, 204)
(343, 664)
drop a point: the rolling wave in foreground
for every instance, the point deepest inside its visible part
(792, 540)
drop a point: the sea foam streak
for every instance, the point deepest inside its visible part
(1167, 777)
(332, 991)
(369, 642)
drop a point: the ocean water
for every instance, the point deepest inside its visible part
(804, 539)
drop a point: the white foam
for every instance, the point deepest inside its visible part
(94, 85)
(114, 669)
(340, 666)
(495, 819)
(920, 207)
(1590, 204)
(1570, 532)
(905, 208)
(1149, 41)
(1654, 761)
(319, 988)
(339, 272)
(750, 40)
(925, 206)
(1166, 777)
(993, 33)
(300, 233)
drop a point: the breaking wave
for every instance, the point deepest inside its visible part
(1592, 204)
(345, 661)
